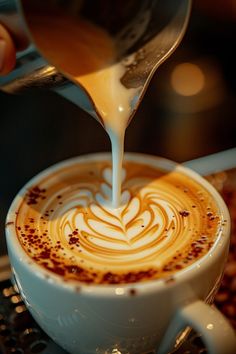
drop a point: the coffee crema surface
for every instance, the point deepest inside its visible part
(66, 224)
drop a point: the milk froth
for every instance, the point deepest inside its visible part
(166, 222)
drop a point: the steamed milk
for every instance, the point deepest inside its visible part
(157, 224)
(88, 56)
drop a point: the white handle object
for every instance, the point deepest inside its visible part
(217, 334)
(221, 161)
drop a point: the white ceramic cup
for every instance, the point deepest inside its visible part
(89, 319)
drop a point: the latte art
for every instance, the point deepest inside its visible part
(166, 221)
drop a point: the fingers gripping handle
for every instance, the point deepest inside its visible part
(217, 334)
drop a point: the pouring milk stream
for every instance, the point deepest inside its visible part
(89, 59)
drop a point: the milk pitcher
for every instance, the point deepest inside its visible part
(145, 33)
(32, 70)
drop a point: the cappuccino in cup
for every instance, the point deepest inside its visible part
(165, 223)
(100, 279)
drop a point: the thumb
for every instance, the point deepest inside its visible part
(7, 52)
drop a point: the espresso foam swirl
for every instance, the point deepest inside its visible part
(166, 222)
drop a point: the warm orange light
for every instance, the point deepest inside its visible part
(187, 79)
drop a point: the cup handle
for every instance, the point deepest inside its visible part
(217, 334)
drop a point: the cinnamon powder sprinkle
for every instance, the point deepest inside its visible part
(34, 195)
(184, 213)
(10, 223)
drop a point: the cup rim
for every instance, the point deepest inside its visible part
(109, 290)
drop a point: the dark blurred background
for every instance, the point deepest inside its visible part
(187, 112)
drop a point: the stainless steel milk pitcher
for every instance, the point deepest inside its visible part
(32, 71)
(145, 33)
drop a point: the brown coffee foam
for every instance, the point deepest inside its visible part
(175, 241)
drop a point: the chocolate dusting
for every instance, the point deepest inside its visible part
(34, 195)
(130, 277)
(184, 213)
(9, 223)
